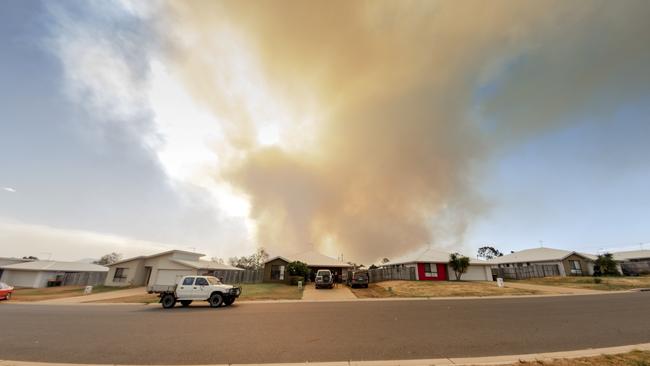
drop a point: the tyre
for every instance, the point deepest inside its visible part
(168, 301)
(228, 301)
(365, 286)
(215, 300)
(186, 303)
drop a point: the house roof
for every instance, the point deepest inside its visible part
(429, 255)
(207, 265)
(56, 266)
(312, 258)
(631, 254)
(537, 255)
(156, 255)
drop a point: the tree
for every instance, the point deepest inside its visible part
(488, 252)
(607, 265)
(31, 257)
(298, 268)
(385, 260)
(459, 264)
(372, 266)
(217, 260)
(253, 261)
(109, 258)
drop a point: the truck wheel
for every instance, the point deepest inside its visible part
(186, 303)
(215, 300)
(168, 301)
(229, 301)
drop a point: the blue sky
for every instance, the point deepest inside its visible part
(91, 165)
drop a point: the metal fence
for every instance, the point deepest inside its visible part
(83, 278)
(522, 273)
(391, 274)
(636, 268)
(245, 276)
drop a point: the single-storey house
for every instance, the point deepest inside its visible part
(37, 273)
(275, 268)
(569, 263)
(163, 269)
(433, 265)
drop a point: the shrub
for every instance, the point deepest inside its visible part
(607, 265)
(298, 268)
(598, 280)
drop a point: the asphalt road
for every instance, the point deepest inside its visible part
(328, 331)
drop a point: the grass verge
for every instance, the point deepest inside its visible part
(436, 289)
(634, 358)
(49, 293)
(590, 283)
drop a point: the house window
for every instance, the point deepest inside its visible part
(120, 274)
(430, 270)
(576, 269)
(277, 272)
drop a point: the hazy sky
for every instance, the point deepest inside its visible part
(367, 129)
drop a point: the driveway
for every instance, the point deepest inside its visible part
(321, 331)
(96, 297)
(339, 292)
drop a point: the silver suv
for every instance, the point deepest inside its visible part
(324, 278)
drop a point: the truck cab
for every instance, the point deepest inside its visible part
(197, 288)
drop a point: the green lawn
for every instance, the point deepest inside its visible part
(48, 293)
(270, 291)
(606, 283)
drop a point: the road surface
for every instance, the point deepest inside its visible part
(327, 331)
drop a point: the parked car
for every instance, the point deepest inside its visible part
(5, 291)
(358, 278)
(199, 288)
(324, 278)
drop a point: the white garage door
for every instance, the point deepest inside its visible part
(20, 278)
(170, 277)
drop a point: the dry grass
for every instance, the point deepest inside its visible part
(606, 283)
(634, 358)
(257, 291)
(48, 293)
(436, 289)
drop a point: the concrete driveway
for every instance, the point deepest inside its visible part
(339, 292)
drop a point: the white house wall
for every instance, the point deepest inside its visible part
(30, 279)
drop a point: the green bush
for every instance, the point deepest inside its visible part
(298, 268)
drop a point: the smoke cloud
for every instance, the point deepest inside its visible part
(386, 110)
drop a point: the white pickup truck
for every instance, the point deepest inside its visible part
(196, 288)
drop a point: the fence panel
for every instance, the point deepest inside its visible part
(84, 278)
(636, 268)
(523, 273)
(391, 274)
(245, 276)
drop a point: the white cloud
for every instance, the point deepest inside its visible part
(19, 239)
(9, 189)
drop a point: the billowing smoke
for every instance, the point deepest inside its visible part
(386, 110)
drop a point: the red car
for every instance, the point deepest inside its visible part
(5, 291)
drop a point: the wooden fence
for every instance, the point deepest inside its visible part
(636, 268)
(391, 274)
(522, 273)
(245, 276)
(84, 278)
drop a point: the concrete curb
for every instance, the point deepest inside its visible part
(490, 360)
